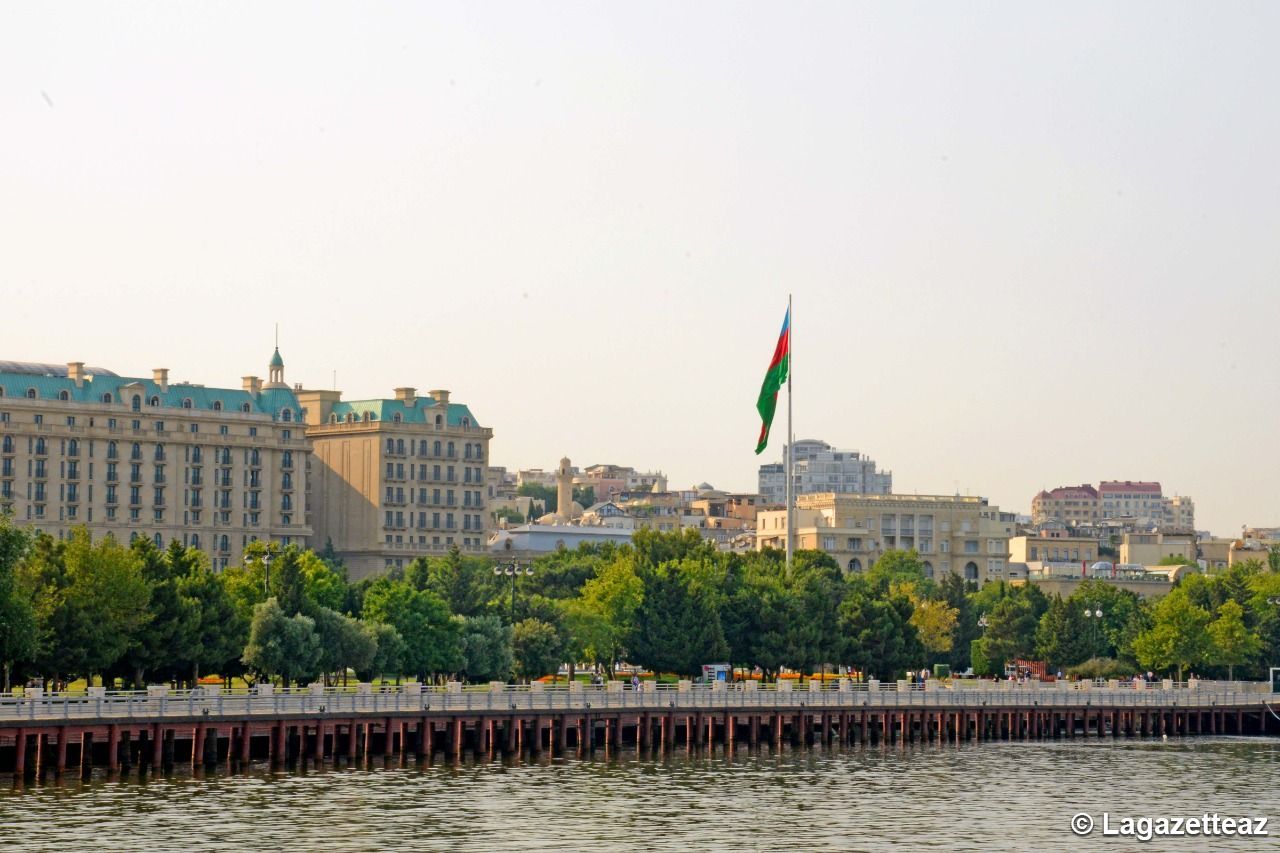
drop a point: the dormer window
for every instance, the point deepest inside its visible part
(64, 395)
(333, 418)
(106, 398)
(396, 417)
(154, 401)
(137, 403)
(217, 405)
(31, 393)
(246, 408)
(286, 415)
(186, 402)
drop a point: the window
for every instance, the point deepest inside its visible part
(217, 405)
(186, 402)
(64, 395)
(154, 401)
(8, 444)
(286, 415)
(137, 403)
(246, 408)
(396, 418)
(287, 460)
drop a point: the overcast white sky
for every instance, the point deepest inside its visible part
(1030, 244)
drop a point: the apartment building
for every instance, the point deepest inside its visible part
(819, 467)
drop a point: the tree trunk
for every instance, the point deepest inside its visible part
(1231, 669)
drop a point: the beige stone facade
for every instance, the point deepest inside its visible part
(1148, 549)
(394, 479)
(953, 534)
(213, 468)
(1071, 505)
(1053, 549)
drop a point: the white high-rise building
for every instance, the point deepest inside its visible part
(819, 467)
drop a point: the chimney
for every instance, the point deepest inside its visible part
(252, 384)
(75, 372)
(440, 396)
(161, 377)
(408, 396)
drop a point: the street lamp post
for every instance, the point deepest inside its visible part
(266, 572)
(1094, 614)
(513, 570)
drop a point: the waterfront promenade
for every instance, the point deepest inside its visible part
(57, 732)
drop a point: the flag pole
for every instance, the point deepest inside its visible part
(791, 436)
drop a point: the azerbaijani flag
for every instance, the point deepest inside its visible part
(774, 378)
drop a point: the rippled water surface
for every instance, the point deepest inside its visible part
(991, 796)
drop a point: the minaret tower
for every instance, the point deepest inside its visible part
(564, 491)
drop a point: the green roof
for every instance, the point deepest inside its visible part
(423, 411)
(276, 360)
(271, 402)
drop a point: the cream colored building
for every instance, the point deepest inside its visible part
(213, 468)
(394, 479)
(953, 534)
(1072, 505)
(1053, 549)
(1148, 549)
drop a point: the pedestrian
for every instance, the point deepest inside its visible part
(635, 683)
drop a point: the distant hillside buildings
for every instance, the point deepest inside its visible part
(1120, 503)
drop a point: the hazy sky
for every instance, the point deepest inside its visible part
(1030, 244)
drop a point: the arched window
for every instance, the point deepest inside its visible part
(287, 460)
(436, 448)
(40, 447)
(928, 569)
(971, 571)
(159, 540)
(255, 457)
(439, 421)
(8, 444)
(246, 408)
(396, 417)
(217, 405)
(367, 417)
(400, 445)
(136, 453)
(286, 502)
(159, 452)
(106, 398)
(286, 520)
(186, 402)
(466, 423)
(137, 402)
(195, 540)
(31, 393)
(467, 452)
(452, 450)
(286, 415)
(153, 402)
(64, 395)
(351, 417)
(333, 418)
(224, 544)
(113, 450)
(286, 481)
(73, 448)
(855, 565)
(391, 445)
(422, 448)
(195, 455)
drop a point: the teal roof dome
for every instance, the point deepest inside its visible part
(276, 360)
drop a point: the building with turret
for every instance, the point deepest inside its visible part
(214, 468)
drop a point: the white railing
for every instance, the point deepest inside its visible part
(160, 703)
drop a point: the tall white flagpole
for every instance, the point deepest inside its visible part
(791, 436)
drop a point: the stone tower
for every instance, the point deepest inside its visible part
(564, 491)
(275, 371)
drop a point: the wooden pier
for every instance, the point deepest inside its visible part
(63, 734)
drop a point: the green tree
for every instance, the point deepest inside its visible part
(1233, 644)
(880, 639)
(1011, 630)
(509, 515)
(602, 617)
(1179, 636)
(431, 641)
(323, 585)
(282, 645)
(536, 648)
(167, 646)
(221, 632)
(539, 492)
(345, 644)
(17, 616)
(677, 625)
(935, 622)
(389, 651)
(585, 497)
(486, 648)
